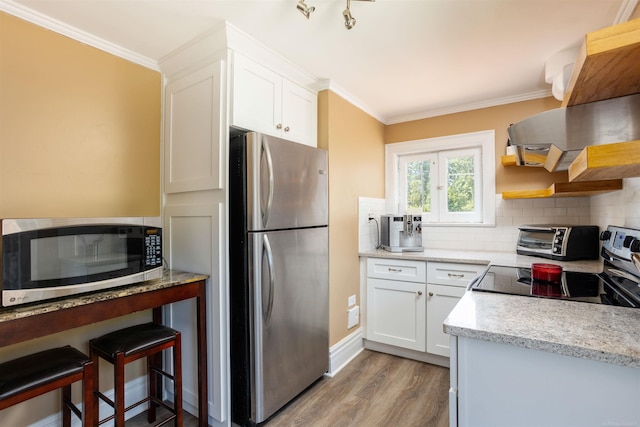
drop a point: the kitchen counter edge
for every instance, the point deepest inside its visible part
(169, 278)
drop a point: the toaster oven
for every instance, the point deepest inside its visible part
(559, 242)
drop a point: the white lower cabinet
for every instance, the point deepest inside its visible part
(447, 283)
(396, 303)
(440, 301)
(408, 300)
(501, 385)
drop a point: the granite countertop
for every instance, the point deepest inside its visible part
(169, 278)
(592, 331)
(510, 259)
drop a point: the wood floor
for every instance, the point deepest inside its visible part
(375, 389)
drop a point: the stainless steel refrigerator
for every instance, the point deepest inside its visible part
(279, 282)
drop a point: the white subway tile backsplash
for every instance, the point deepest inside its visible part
(618, 208)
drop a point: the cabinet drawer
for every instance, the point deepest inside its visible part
(395, 269)
(443, 273)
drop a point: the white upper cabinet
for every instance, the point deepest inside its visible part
(194, 136)
(264, 101)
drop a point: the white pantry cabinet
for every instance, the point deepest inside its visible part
(194, 135)
(264, 101)
(446, 285)
(396, 302)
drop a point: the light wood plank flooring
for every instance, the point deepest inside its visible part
(375, 389)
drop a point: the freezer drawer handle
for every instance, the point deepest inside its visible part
(266, 315)
(267, 208)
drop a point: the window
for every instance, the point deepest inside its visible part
(450, 180)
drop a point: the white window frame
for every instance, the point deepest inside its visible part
(483, 140)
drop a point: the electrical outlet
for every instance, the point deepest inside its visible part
(371, 217)
(351, 301)
(353, 317)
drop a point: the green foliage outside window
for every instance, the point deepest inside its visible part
(460, 184)
(419, 185)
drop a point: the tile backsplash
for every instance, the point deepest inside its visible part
(620, 208)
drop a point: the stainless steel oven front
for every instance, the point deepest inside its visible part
(50, 258)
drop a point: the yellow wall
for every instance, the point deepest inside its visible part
(497, 118)
(355, 142)
(79, 128)
(79, 136)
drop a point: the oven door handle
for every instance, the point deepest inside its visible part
(529, 228)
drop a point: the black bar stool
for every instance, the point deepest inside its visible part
(39, 373)
(126, 345)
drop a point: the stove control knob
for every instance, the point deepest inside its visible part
(635, 245)
(627, 241)
(605, 235)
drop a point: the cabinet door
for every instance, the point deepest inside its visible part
(194, 138)
(256, 101)
(396, 313)
(194, 241)
(440, 301)
(299, 114)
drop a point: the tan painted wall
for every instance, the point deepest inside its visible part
(355, 142)
(79, 130)
(79, 136)
(497, 118)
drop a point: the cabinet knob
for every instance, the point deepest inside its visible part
(419, 293)
(279, 126)
(430, 294)
(286, 129)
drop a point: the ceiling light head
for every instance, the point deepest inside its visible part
(304, 9)
(349, 20)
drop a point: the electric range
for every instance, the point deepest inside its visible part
(618, 284)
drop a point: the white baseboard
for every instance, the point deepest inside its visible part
(134, 391)
(344, 351)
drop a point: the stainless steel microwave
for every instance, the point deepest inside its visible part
(559, 242)
(49, 258)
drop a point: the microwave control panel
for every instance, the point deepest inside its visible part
(153, 245)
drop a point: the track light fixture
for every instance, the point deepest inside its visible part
(349, 20)
(304, 9)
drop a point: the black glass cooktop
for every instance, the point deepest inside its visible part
(582, 287)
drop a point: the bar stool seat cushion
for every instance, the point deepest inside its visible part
(133, 339)
(22, 374)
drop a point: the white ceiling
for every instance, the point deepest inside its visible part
(404, 59)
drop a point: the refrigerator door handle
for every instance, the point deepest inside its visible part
(266, 314)
(269, 160)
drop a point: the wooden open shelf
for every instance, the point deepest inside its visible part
(608, 161)
(567, 189)
(607, 65)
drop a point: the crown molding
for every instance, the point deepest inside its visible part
(333, 87)
(59, 27)
(470, 106)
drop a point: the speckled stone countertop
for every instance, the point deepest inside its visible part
(592, 331)
(510, 259)
(169, 278)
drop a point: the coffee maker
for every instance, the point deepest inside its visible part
(401, 233)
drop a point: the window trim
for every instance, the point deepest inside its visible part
(485, 140)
